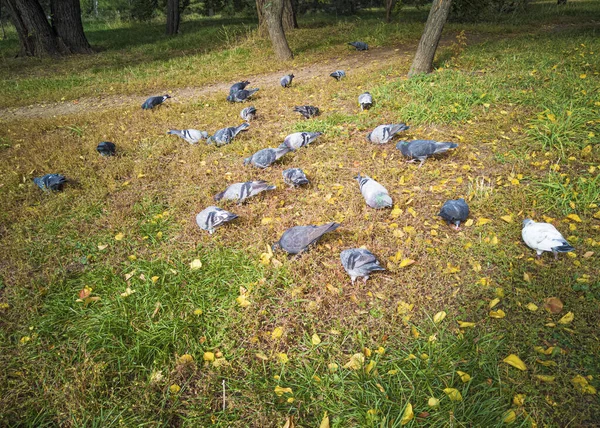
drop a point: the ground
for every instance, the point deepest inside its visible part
(116, 309)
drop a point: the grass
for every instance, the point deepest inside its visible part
(160, 353)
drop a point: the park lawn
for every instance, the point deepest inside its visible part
(105, 323)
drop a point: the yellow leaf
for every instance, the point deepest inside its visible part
(544, 351)
(102, 246)
(356, 361)
(404, 307)
(154, 279)
(574, 217)
(208, 356)
(243, 301)
(370, 366)
(545, 378)
(526, 277)
(582, 76)
(469, 222)
(507, 218)
(406, 262)
(315, 339)
(597, 215)
(494, 303)
(581, 384)
(509, 417)
(396, 212)
(198, 312)
(515, 361)
(332, 367)
(481, 221)
(464, 376)
(276, 333)
(195, 264)
(174, 389)
(372, 412)
(548, 363)
(289, 423)
(119, 236)
(433, 402)
(532, 307)
(280, 390)
(414, 332)
(499, 314)
(451, 269)
(408, 415)
(324, 421)
(261, 356)
(439, 317)
(465, 324)
(567, 318)
(519, 400)
(453, 394)
(283, 358)
(266, 220)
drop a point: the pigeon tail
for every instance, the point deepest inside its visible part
(442, 147)
(241, 128)
(219, 196)
(565, 248)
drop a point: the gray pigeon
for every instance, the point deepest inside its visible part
(266, 157)
(243, 191)
(376, 196)
(360, 46)
(294, 177)
(248, 114)
(365, 101)
(152, 102)
(212, 217)
(455, 211)
(192, 136)
(300, 139)
(359, 262)
(422, 149)
(338, 74)
(48, 182)
(286, 81)
(384, 133)
(307, 111)
(241, 96)
(106, 148)
(226, 135)
(238, 86)
(297, 239)
(544, 237)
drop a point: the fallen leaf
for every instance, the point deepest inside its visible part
(356, 361)
(494, 303)
(465, 324)
(289, 422)
(406, 262)
(519, 400)
(526, 277)
(439, 317)
(463, 376)
(174, 389)
(545, 378)
(280, 390)
(544, 351)
(469, 222)
(453, 394)
(433, 402)
(266, 220)
(553, 305)
(283, 358)
(532, 307)
(276, 333)
(408, 415)
(509, 417)
(497, 314)
(515, 361)
(546, 363)
(370, 366)
(325, 421)
(195, 264)
(481, 221)
(119, 236)
(507, 218)
(315, 339)
(581, 384)
(261, 356)
(332, 367)
(567, 318)
(128, 292)
(102, 246)
(208, 356)
(574, 217)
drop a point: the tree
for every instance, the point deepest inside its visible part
(389, 8)
(173, 17)
(66, 22)
(273, 16)
(288, 18)
(423, 62)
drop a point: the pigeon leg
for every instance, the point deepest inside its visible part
(411, 161)
(422, 162)
(365, 279)
(555, 256)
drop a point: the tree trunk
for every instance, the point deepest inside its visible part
(289, 16)
(273, 15)
(2, 22)
(66, 21)
(423, 62)
(173, 17)
(389, 8)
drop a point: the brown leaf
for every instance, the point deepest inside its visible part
(553, 305)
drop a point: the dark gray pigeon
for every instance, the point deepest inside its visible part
(212, 217)
(106, 148)
(422, 149)
(226, 135)
(238, 86)
(243, 191)
(294, 177)
(48, 182)
(152, 102)
(338, 74)
(248, 114)
(307, 111)
(300, 139)
(242, 95)
(286, 81)
(544, 237)
(266, 157)
(384, 133)
(376, 196)
(455, 211)
(365, 101)
(297, 239)
(360, 46)
(192, 136)
(359, 262)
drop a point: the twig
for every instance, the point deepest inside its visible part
(223, 394)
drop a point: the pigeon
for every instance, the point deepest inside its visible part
(155, 101)
(266, 157)
(243, 191)
(241, 95)
(238, 86)
(297, 239)
(212, 217)
(422, 149)
(338, 74)
(226, 135)
(544, 237)
(455, 211)
(374, 193)
(307, 111)
(54, 182)
(365, 101)
(294, 177)
(248, 114)
(360, 46)
(106, 148)
(384, 133)
(300, 139)
(192, 136)
(359, 262)
(286, 81)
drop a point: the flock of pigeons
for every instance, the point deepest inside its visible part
(358, 262)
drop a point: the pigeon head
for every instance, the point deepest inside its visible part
(247, 160)
(218, 196)
(275, 246)
(369, 137)
(527, 221)
(230, 98)
(358, 178)
(167, 96)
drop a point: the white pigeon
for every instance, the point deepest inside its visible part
(192, 136)
(376, 196)
(544, 237)
(300, 139)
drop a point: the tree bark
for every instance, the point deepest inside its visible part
(66, 21)
(273, 15)
(288, 18)
(389, 8)
(173, 17)
(423, 62)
